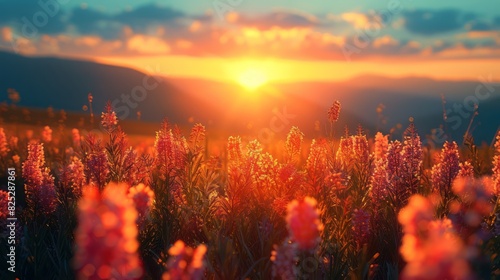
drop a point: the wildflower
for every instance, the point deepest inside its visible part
(496, 165)
(303, 223)
(96, 163)
(108, 119)
(361, 227)
(73, 177)
(381, 146)
(185, 263)
(316, 164)
(134, 173)
(143, 198)
(234, 149)
(404, 165)
(170, 150)
(4, 198)
(344, 153)
(334, 111)
(284, 260)
(411, 154)
(265, 173)
(38, 183)
(379, 181)
(197, 137)
(293, 143)
(394, 159)
(430, 247)
(466, 170)
(75, 136)
(444, 172)
(47, 134)
(361, 148)
(4, 148)
(475, 195)
(106, 237)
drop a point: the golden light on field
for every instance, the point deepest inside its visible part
(252, 78)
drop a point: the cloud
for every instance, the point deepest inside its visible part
(148, 15)
(147, 45)
(143, 19)
(152, 30)
(358, 20)
(432, 22)
(283, 19)
(33, 18)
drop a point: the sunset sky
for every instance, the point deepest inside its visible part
(277, 40)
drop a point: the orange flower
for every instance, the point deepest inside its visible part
(185, 263)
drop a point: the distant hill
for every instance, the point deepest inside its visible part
(64, 84)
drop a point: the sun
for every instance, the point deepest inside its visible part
(252, 78)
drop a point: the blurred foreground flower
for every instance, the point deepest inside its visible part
(284, 260)
(106, 244)
(430, 247)
(475, 196)
(303, 222)
(185, 263)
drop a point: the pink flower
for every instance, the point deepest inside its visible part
(185, 263)
(170, 151)
(38, 183)
(143, 198)
(4, 203)
(361, 227)
(446, 170)
(96, 163)
(430, 247)
(73, 177)
(303, 223)
(108, 119)
(106, 237)
(412, 157)
(334, 111)
(475, 195)
(284, 260)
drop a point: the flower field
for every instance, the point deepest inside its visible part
(342, 207)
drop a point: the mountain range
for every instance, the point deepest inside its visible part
(273, 108)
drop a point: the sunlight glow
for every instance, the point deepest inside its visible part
(252, 78)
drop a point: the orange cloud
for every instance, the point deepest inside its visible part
(147, 45)
(385, 41)
(359, 20)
